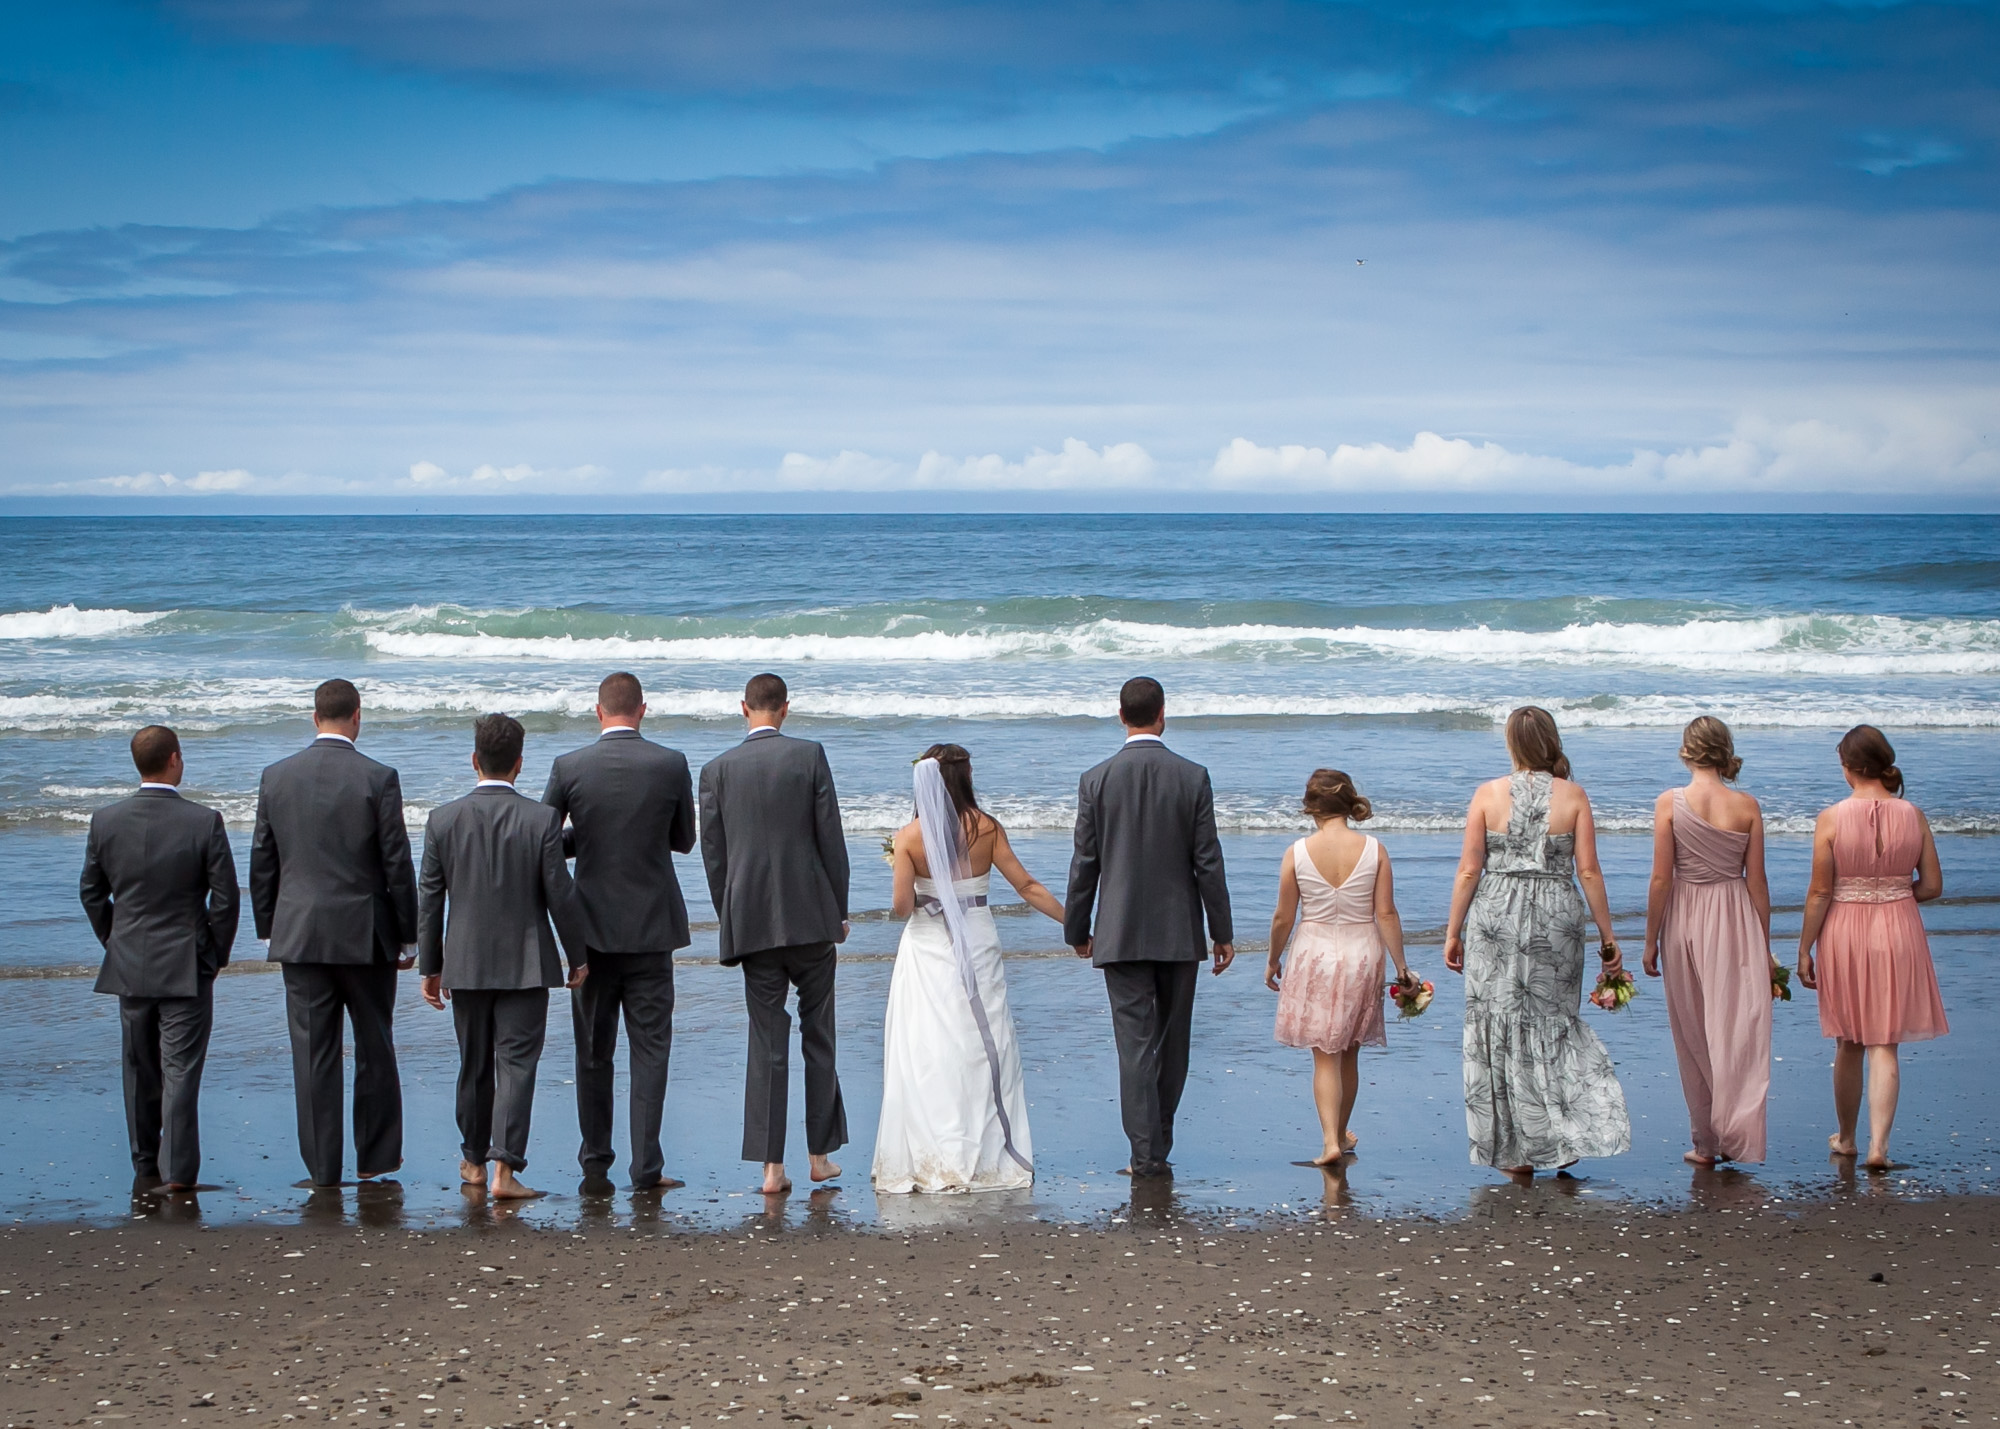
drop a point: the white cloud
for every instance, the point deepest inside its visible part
(429, 476)
(1077, 466)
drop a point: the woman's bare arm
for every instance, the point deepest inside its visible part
(1819, 896)
(1387, 920)
(1026, 884)
(1471, 864)
(1284, 918)
(1661, 886)
(1754, 876)
(1930, 875)
(1591, 875)
(903, 862)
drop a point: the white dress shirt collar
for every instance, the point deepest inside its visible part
(613, 731)
(328, 734)
(154, 784)
(494, 783)
(1143, 738)
(761, 731)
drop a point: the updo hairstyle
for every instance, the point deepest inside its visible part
(1534, 742)
(1330, 794)
(1707, 744)
(1866, 751)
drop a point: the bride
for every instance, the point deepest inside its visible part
(954, 1116)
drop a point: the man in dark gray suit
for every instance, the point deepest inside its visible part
(777, 870)
(333, 889)
(630, 804)
(494, 876)
(1148, 859)
(159, 887)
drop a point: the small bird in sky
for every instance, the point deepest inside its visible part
(1359, 261)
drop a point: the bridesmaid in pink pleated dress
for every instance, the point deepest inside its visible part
(1874, 860)
(1330, 986)
(1708, 920)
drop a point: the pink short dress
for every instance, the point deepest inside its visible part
(1876, 982)
(1330, 997)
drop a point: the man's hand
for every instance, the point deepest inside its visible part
(845, 928)
(1085, 948)
(434, 990)
(577, 973)
(1225, 954)
(407, 959)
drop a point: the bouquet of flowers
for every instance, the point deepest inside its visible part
(1614, 991)
(1412, 995)
(889, 849)
(1781, 983)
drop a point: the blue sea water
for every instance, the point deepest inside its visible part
(1388, 646)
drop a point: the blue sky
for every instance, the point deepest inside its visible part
(485, 254)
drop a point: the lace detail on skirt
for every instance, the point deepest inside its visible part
(1892, 889)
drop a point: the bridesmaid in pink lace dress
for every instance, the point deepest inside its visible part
(1708, 919)
(1876, 986)
(1330, 986)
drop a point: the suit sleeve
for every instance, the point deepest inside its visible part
(556, 796)
(95, 890)
(263, 866)
(832, 839)
(1208, 875)
(394, 836)
(680, 838)
(559, 891)
(1083, 868)
(714, 840)
(430, 904)
(225, 901)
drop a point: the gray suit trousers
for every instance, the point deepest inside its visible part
(1152, 1016)
(768, 977)
(165, 1044)
(642, 986)
(318, 997)
(500, 1032)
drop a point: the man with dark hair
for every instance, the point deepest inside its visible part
(333, 889)
(1148, 861)
(493, 878)
(777, 870)
(159, 888)
(630, 805)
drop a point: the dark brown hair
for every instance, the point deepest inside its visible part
(1866, 751)
(1330, 794)
(153, 749)
(620, 694)
(765, 693)
(1141, 702)
(336, 700)
(1706, 743)
(1535, 743)
(955, 767)
(496, 744)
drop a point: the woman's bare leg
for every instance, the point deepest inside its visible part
(1885, 1085)
(1350, 1084)
(1327, 1094)
(1847, 1064)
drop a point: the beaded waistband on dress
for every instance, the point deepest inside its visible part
(1891, 889)
(936, 909)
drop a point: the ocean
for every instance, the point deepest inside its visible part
(1388, 646)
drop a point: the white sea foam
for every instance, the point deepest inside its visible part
(68, 622)
(1850, 645)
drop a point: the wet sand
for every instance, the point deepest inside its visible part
(1539, 1307)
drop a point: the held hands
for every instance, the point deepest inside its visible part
(1225, 954)
(1454, 953)
(434, 990)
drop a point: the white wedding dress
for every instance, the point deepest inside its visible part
(954, 1112)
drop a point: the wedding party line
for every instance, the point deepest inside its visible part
(494, 919)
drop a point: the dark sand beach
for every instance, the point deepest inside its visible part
(1536, 1308)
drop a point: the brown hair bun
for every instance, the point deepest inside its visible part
(1535, 743)
(1330, 794)
(1706, 743)
(1866, 751)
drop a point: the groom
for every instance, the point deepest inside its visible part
(1148, 858)
(777, 869)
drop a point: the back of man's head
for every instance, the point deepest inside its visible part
(1141, 702)
(766, 694)
(619, 695)
(496, 745)
(153, 750)
(336, 702)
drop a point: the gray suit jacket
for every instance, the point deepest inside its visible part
(159, 887)
(1148, 858)
(772, 844)
(330, 873)
(496, 857)
(630, 803)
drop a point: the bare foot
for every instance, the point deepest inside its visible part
(1518, 1170)
(1349, 1140)
(776, 1182)
(472, 1173)
(1331, 1156)
(823, 1169)
(1839, 1147)
(1695, 1158)
(506, 1188)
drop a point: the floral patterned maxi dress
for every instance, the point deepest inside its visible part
(1539, 1087)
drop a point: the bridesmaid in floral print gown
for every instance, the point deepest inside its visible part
(1540, 1091)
